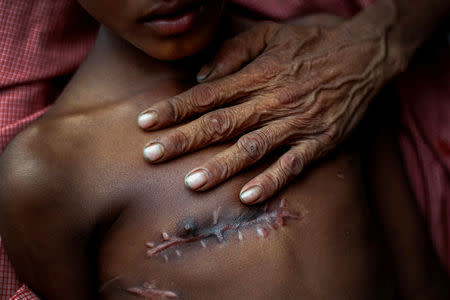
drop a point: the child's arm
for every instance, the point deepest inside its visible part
(44, 229)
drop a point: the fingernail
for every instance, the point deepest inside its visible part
(147, 120)
(252, 194)
(204, 73)
(196, 179)
(154, 152)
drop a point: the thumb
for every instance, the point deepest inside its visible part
(238, 51)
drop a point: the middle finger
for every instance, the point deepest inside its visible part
(219, 125)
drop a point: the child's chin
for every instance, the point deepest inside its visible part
(176, 53)
(172, 56)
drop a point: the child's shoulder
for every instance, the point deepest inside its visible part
(45, 222)
(38, 153)
(39, 173)
(28, 163)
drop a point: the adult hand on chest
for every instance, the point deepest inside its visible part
(274, 85)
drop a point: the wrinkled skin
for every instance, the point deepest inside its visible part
(291, 85)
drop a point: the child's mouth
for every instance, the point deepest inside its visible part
(174, 23)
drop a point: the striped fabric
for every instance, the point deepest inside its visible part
(41, 43)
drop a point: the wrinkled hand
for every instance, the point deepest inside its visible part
(304, 87)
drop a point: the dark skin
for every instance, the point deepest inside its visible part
(303, 87)
(78, 207)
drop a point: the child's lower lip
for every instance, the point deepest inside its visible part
(173, 26)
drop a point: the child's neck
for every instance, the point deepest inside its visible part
(116, 70)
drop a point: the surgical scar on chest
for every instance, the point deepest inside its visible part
(262, 220)
(149, 291)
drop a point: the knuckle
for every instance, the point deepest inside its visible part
(272, 181)
(254, 145)
(202, 96)
(286, 96)
(325, 143)
(222, 64)
(179, 141)
(217, 124)
(267, 67)
(291, 164)
(329, 137)
(325, 139)
(221, 168)
(171, 109)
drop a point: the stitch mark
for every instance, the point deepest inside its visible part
(263, 219)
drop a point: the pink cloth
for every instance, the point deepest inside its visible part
(40, 41)
(425, 141)
(286, 9)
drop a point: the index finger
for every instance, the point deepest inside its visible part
(199, 99)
